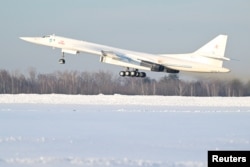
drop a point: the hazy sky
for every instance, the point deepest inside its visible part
(163, 26)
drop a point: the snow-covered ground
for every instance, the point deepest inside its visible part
(125, 100)
(98, 131)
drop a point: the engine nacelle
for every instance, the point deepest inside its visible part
(157, 67)
(153, 66)
(168, 70)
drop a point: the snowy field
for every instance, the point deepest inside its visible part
(119, 131)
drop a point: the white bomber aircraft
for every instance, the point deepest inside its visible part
(209, 58)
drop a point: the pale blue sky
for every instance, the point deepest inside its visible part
(152, 26)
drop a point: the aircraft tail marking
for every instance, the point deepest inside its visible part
(215, 49)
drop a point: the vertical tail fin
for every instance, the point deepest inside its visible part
(215, 49)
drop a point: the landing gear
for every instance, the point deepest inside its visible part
(62, 60)
(143, 74)
(122, 73)
(134, 73)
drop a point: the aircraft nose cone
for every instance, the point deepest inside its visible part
(28, 39)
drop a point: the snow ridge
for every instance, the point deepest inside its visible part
(96, 162)
(125, 100)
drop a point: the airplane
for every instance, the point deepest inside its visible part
(208, 59)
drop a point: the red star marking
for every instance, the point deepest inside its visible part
(61, 42)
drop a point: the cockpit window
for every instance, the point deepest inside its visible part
(46, 36)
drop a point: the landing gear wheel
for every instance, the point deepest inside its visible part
(137, 74)
(128, 73)
(142, 74)
(61, 61)
(122, 73)
(133, 73)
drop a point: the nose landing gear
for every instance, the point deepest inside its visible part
(62, 60)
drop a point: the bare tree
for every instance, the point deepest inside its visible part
(89, 83)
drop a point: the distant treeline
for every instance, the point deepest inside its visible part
(92, 83)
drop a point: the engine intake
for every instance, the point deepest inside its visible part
(168, 70)
(153, 66)
(157, 67)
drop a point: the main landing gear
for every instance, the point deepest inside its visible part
(127, 73)
(134, 73)
(62, 60)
